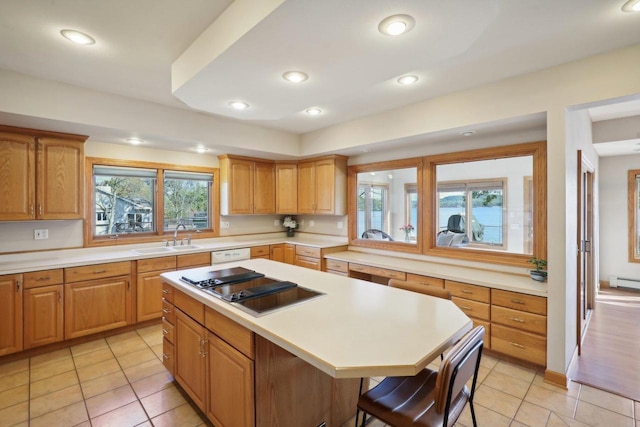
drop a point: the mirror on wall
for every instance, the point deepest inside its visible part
(386, 206)
(487, 204)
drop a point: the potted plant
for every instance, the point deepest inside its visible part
(539, 274)
(290, 224)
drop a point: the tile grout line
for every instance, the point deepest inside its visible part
(84, 399)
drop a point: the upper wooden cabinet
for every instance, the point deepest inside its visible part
(322, 186)
(41, 175)
(248, 186)
(286, 188)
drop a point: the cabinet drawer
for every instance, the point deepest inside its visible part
(167, 292)
(167, 331)
(202, 259)
(341, 266)
(308, 251)
(168, 356)
(487, 330)
(519, 344)
(479, 310)
(36, 279)
(236, 335)
(338, 273)
(168, 312)
(519, 319)
(425, 280)
(153, 264)
(375, 271)
(465, 290)
(188, 305)
(308, 262)
(518, 301)
(96, 271)
(260, 251)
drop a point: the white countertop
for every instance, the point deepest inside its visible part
(35, 261)
(476, 276)
(358, 329)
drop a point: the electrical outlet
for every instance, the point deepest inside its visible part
(42, 234)
(276, 223)
(224, 224)
(340, 225)
(312, 223)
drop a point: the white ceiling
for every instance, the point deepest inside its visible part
(352, 67)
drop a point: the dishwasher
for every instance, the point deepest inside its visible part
(230, 255)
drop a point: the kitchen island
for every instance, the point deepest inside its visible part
(299, 365)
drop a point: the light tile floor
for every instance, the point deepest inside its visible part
(120, 381)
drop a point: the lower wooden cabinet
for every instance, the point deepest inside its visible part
(43, 315)
(96, 306)
(230, 401)
(289, 253)
(190, 357)
(10, 313)
(277, 252)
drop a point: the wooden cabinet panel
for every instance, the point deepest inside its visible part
(167, 331)
(264, 188)
(230, 377)
(96, 306)
(149, 295)
(289, 253)
(202, 259)
(519, 344)
(308, 251)
(35, 279)
(235, 334)
(165, 263)
(168, 356)
(376, 271)
(190, 358)
(518, 301)
(286, 188)
(43, 315)
(260, 251)
(467, 291)
(59, 179)
(306, 187)
(277, 252)
(168, 311)
(239, 183)
(167, 292)
(322, 186)
(97, 271)
(188, 305)
(17, 176)
(325, 187)
(10, 313)
(425, 280)
(471, 308)
(519, 319)
(337, 266)
(308, 262)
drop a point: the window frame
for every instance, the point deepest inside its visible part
(538, 150)
(633, 203)
(352, 203)
(159, 234)
(385, 203)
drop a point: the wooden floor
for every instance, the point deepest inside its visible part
(610, 357)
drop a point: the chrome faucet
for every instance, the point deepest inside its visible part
(175, 233)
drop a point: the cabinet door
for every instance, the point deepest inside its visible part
(277, 252)
(286, 188)
(43, 316)
(240, 186)
(59, 179)
(325, 187)
(264, 188)
(230, 401)
(190, 357)
(17, 177)
(149, 295)
(306, 187)
(96, 306)
(10, 313)
(289, 253)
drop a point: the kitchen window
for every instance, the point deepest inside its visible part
(142, 203)
(373, 207)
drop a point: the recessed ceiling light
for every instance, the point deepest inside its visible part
(239, 105)
(407, 80)
(295, 76)
(202, 149)
(631, 6)
(313, 111)
(396, 25)
(134, 141)
(468, 133)
(77, 37)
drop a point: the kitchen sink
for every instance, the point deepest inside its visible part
(147, 251)
(184, 247)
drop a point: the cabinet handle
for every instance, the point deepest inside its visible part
(17, 285)
(99, 271)
(39, 279)
(165, 291)
(515, 344)
(464, 307)
(31, 209)
(40, 209)
(128, 285)
(166, 310)
(164, 332)
(165, 356)
(515, 319)
(203, 344)
(464, 291)
(59, 296)
(517, 301)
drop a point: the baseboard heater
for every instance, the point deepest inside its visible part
(622, 282)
